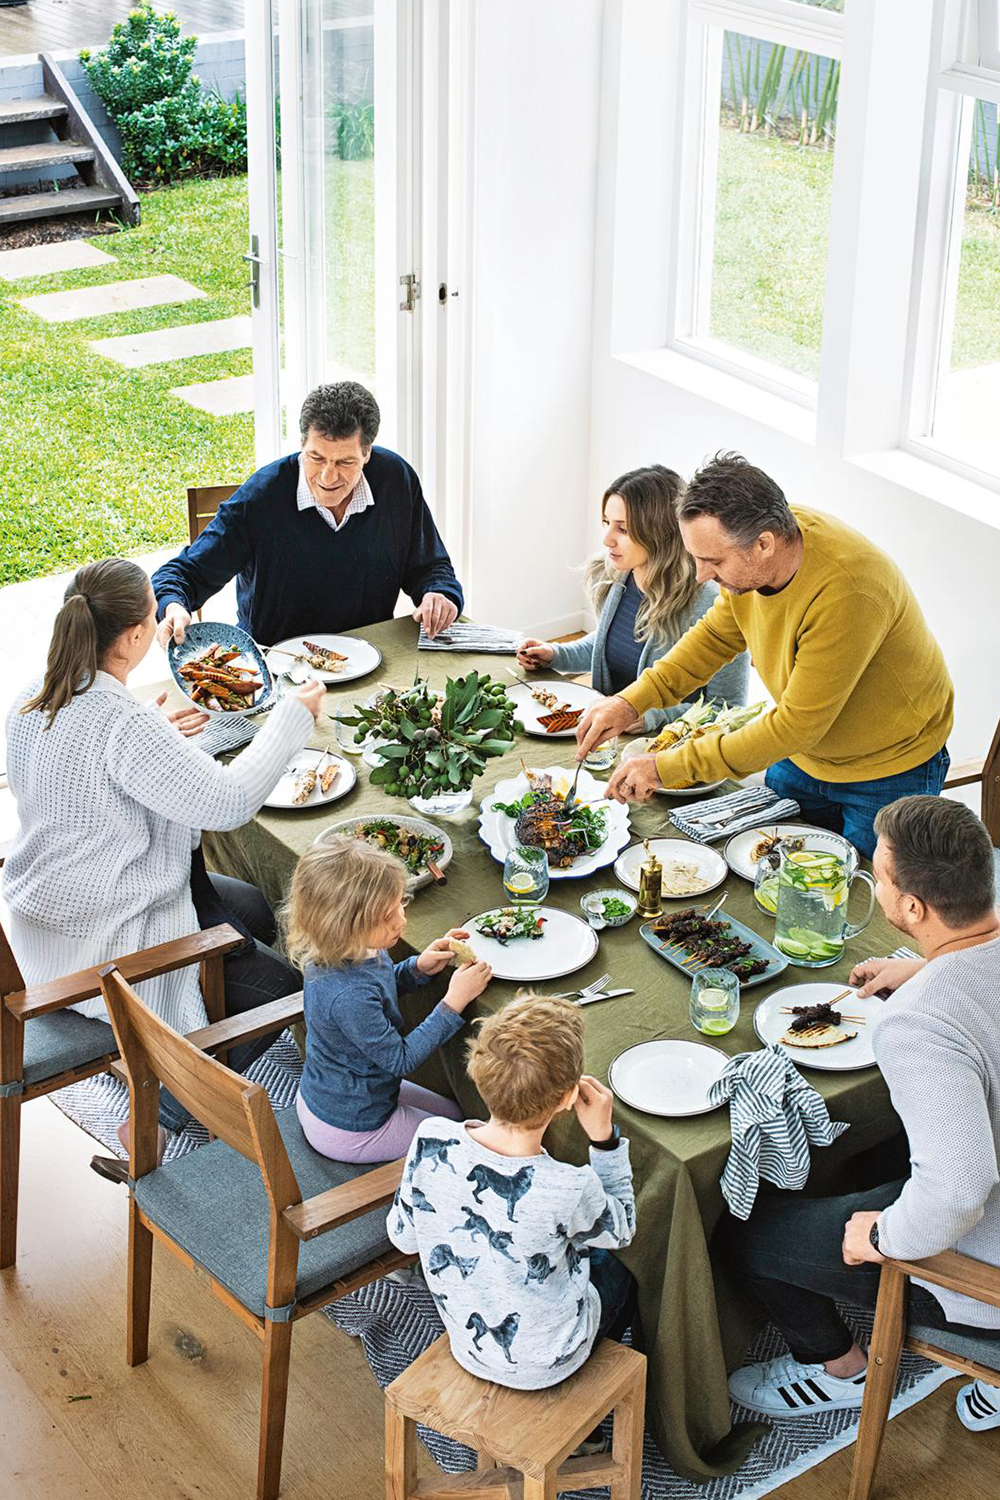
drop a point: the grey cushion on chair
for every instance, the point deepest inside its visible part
(63, 1039)
(212, 1202)
(985, 1351)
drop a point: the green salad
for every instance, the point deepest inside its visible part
(510, 922)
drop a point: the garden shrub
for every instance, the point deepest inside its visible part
(169, 128)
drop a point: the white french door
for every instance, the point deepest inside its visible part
(357, 157)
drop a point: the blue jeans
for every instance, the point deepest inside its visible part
(849, 807)
(616, 1288)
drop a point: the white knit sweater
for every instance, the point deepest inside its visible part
(111, 801)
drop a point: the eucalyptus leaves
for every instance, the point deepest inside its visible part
(436, 743)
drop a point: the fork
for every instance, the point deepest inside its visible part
(569, 801)
(590, 989)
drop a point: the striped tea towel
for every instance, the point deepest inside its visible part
(718, 817)
(466, 636)
(774, 1116)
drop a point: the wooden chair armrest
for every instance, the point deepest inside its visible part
(39, 999)
(965, 772)
(956, 1273)
(251, 1024)
(340, 1205)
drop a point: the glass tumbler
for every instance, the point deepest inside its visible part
(603, 756)
(715, 1001)
(526, 875)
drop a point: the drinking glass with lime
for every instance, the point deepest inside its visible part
(526, 875)
(715, 1001)
(810, 920)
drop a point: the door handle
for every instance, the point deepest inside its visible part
(255, 263)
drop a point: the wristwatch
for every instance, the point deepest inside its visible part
(611, 1142)
(873, 1236)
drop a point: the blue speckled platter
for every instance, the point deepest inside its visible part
(198, 637)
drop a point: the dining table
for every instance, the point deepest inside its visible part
(695, 1321)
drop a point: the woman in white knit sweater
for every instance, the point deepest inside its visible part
(112, 797)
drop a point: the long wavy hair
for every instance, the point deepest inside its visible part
(669, 584)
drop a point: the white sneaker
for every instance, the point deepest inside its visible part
(785, 1388)
(978, 1406)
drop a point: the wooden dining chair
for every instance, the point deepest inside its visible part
(203, 500)
(984, 772)
(45, 1046)
(977, 1358)
(275, 1229)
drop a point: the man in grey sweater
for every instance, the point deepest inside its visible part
(938, 1045)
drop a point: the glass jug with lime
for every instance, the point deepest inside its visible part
(810, 921)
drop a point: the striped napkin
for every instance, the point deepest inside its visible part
(466, 636)
(774, 1116)
(718, 817)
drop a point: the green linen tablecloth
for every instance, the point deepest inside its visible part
(695, 1322)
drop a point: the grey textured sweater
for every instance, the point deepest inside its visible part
(504, 1244)
(938, 1045)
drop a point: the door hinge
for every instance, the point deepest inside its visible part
(412, 288)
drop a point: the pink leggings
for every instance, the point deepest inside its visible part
(387, 1142)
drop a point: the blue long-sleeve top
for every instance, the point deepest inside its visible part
(356, 1053)
(589, 654)
(295, 574)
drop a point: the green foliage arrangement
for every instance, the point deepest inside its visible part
(435, 742)
(352, 131)
(169, 128)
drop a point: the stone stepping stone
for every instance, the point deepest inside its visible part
(186, 342)
(222, 398)
(46, 260)
(112, 297)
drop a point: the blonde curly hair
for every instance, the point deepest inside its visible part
(340, 893)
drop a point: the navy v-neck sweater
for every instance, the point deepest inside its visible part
(295, 574)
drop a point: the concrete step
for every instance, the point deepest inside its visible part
(23, 206)
(44, 107)
(46, 154)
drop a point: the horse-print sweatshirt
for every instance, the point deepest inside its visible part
(504, 1245)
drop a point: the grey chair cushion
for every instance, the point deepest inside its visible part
(212, 1203)
(63, 1039)
(985, 1351)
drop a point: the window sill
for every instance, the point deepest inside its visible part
(727, 391)
(934, 482)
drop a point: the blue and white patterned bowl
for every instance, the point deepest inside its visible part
(199, 635)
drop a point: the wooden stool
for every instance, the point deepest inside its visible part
(518, 1433)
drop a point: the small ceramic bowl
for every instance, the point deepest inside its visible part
(592, 905)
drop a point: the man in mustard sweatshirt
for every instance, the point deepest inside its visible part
(863, 699)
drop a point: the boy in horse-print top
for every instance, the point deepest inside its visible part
(515, 1245)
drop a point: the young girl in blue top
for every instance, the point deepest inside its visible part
(644, 594)
(346, 907)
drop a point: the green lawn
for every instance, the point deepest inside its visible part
(769, 272)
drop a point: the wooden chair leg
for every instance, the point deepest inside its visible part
(883, 1363)
(400, 1455)
(274, 1395)
(10, 1167)
(140, 1275)
(626, 1442)
(540, 1489)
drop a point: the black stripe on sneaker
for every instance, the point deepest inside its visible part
(818, 1390)
(985, 1394)
(978, 1404)
(971, 1404)
(804, 1398)
(783, 1393)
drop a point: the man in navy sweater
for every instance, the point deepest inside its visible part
(320, 541)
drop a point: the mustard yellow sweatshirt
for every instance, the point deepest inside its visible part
(860, 686)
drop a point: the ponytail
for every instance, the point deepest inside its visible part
(103, 600)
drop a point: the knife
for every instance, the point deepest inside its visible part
(603, 995)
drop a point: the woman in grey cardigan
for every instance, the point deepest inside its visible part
(644, 595)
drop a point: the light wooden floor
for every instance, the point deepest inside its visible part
(183, 1426)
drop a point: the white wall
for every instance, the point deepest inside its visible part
(537, 89)
(951, 559)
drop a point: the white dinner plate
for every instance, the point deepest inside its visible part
(641, 747)
(282, 794)
(738, 849)
(403, 820)
(496, 829)
(711, 866)
(770, 1025)
(566, 946)
(362, 656)
(669, 1078)
(529, 710)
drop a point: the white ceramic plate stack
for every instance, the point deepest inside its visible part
(529, 710)
(642, 747)
(846, 1057)
(402, 820)
(738, 849)
(667, 1077)
(362, 657)
(497, 830)
(711, 866)
(285, 790)
(567, 945)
